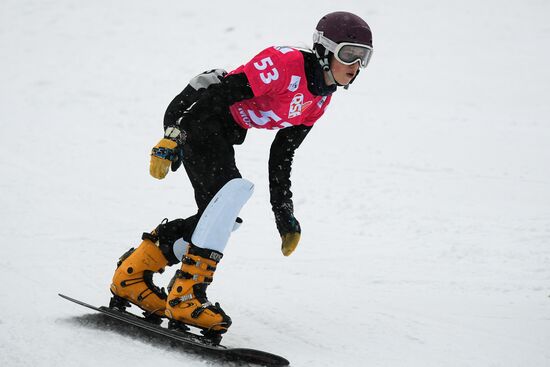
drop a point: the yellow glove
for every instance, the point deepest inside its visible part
(289, 242)
(288, 226)
(161, 158)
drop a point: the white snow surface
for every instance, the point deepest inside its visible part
(423, 193)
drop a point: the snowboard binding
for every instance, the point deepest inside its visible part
(211, 337)
(120, 304)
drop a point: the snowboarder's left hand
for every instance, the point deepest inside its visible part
(289, 228)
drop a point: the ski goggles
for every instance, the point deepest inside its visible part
(346, 52)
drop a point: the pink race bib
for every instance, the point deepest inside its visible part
(281, 97)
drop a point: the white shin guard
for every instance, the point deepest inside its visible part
(220, 216)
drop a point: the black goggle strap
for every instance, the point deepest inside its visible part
(325, 62)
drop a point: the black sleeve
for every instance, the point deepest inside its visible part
(199, 105)
(179, 104)
(280, 164)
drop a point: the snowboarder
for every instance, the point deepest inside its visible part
(282, 88)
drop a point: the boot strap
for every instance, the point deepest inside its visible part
(176, 301)
(197, 312)
(150, 236)
(214, 255)
(180, 274)
(189, 261)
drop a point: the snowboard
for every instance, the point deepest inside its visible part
(191, 340)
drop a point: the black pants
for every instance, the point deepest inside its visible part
(209, 160)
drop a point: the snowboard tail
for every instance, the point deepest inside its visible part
(189, 339)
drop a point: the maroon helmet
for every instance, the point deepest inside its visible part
(345, 36)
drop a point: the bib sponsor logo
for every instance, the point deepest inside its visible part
(297, 106)
(244, 116)
(294, 83)
(321, 102)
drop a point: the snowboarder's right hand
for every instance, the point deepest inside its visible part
(167, 152)
(161, 158)
(288, 227)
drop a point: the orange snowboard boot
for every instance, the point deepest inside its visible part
(187, 302)
(133, 279)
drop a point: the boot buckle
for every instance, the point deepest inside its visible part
(176, 301)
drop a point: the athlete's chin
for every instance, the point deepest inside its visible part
(345, 80)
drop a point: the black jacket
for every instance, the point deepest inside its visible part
(213, 102)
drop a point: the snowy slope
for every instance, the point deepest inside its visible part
(423, 193)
